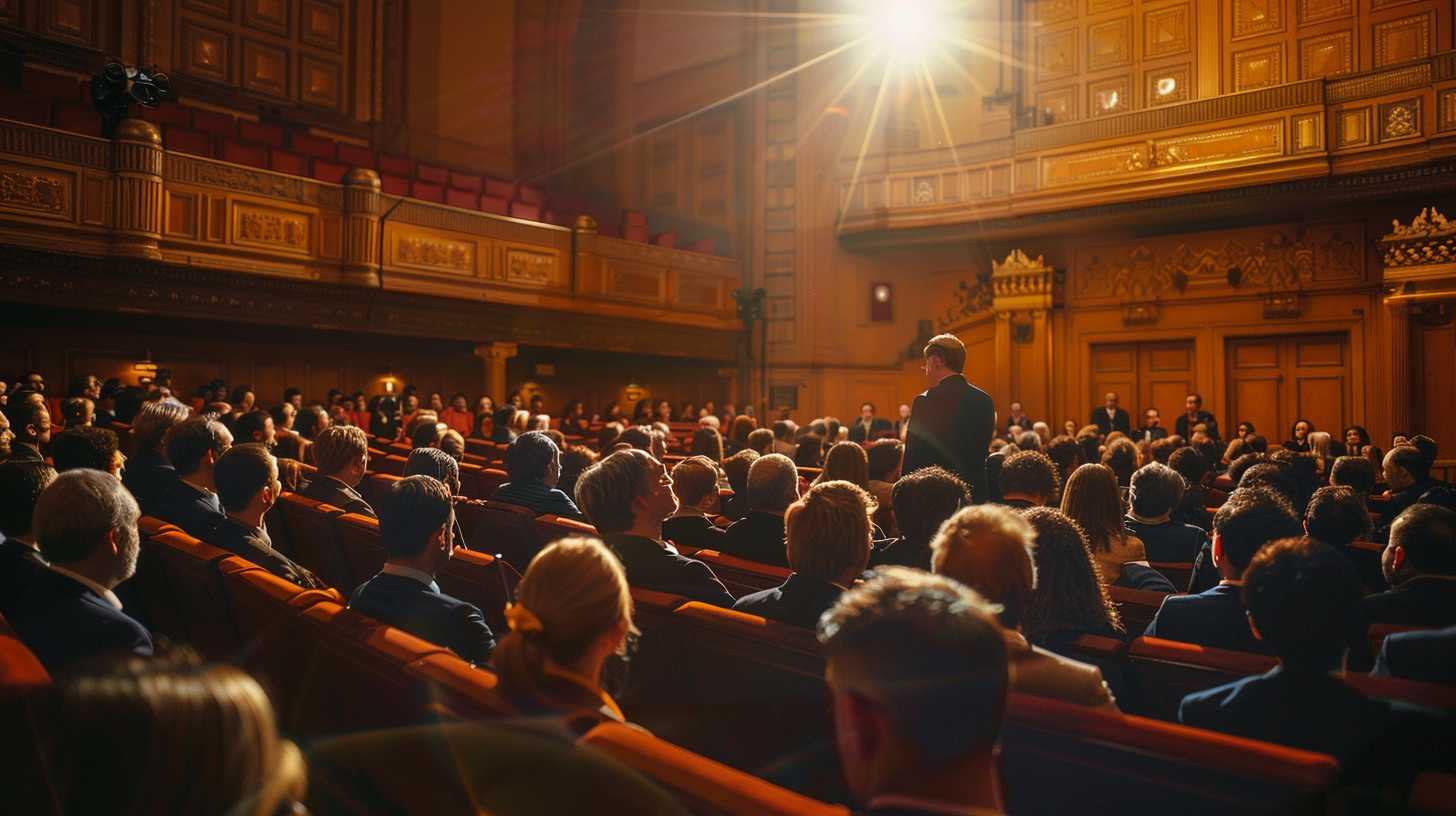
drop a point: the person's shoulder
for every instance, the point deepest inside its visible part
(1203, 706)
(757, 600)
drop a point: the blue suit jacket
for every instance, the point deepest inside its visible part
(195, 511)
(799, 601)
(62, 621)
(1428, 656)
(536, 495)
(426, 612)
(1214, 618)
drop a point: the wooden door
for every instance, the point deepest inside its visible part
(1144, 375)
(1274, 381)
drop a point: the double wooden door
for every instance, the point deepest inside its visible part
(1275, 381)
(1144, 375)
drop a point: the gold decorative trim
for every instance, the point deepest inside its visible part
(1222, 146)
(33, 191)
(430, 252)
(1077, 168)
(1379, 83)
(181, 169)
(272, 229)
(1400, 120)
(23, 139)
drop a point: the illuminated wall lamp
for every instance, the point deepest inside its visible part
(882, 302)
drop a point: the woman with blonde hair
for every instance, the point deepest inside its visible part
(168, 735)
(846, 462)
(573, 611)
(1091, 498)
(1319, 448)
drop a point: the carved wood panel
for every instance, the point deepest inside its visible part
(1274, 381)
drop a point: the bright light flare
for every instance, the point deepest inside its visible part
(904, 25)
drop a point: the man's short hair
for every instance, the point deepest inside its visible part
(74, 410)
(827, 531)
(1029, 472)
(1408, 457)
(950, 350)
(1155, 489)
(783, 429)
(1257, 443)
(530, 456)
(241, 472)
(187, 443)
(923, 500)
(1337, 516)
(76, 511)
(606, 490)
(338, 446)
(1427, 447)
(773, 483)
(1251, 518)
(988, 548)
(415, 508)
(253, 422)
(1427, 533)
(453, 444)
(21, 413)
(1304, 598)
(928, 650)
(1029, 441)
(638, 437)
(760, 440)
(425, 433)
(1354, 472)
(735, 468)
(434, 463)
(84, 447)
(883, 456)
(1272, 476)
(1190, 464)
(21, 484)
(694, 479)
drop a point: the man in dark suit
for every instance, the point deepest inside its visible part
(416, 527)
(922, 500)
(626, 496)
(21, 484)
(533, 464)
(85, 525)
(829, 541)
(248, 487)
(1152, 429)
(1250, 519)
(1419, 564)
(1154, 493)
(695, 483)
(190, 501)
(341, 454)
(869, 427)
(1109, 417)
(1193, 415)
(30, 424)
(773, 485)
(1018, 418)
(952, 421)
(1408, 475)
(1426, 655)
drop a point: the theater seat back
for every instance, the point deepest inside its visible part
(361, 547)
(550, 527)
(483, 580)
(193, 586)
(376, 486)
(455, 689)
(1165, 671)
(311, 537)
(1136, 606)
(653, 610)
(22, 680)
(503, 529)
(741, 575)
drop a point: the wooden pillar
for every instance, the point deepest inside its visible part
(495, 356)
(1398, 363)
(137, 201)
(362, 206)
(1024, 295)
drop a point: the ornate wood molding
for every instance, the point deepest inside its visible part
(1420, 257)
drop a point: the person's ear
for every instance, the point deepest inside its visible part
(1253, 627)
(1397, 556)
(1217, 549)
(113, 541)
(864, 717)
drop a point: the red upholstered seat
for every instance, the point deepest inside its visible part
(653, 610)
(397, 165)
(457, 689)
(432, 173)
(740, 575)
(499, 189)
(77, 117)
(356, 156)
(551, 527)
(1136, 606)
(376, 486)
(20, 671)
(530, 194)
(501, 529)
(393, 464)
(252, 155)
(495, 204)
(665, 239)
(490, 479)
(465, 181)
(187, 141)
(530, 212)
(394, 185)
(150, 526)
(427, 191)
(461, 198)
(261, 602)
(483, 580)
(22, 677)
(635, 232)
(317, 147)
(329, 171)
(285, 161)
(1178, 573)
(221, 125)
(359, 542)
(260, 133)
(183, 594)
(707, 246)
(1165, 671)
(310, 538)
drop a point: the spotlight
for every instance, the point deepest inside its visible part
(903, 24)
(117, 86)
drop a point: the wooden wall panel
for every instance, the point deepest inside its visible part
(1143, 375)
(1435, 387)
(1274, 381)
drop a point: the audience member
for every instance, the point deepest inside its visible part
(417, 527)
(148, 472)
(574, 460)
(190, 501)
(1069, 600)
(773, 485)
(827, 533)
(442, 467)
(735, 470)
(247, 487)
(707, 442)
(926, 498)
(1217, 617)
(627, 495)
(5, 436)
(1091, 500)
(1153, 495)
(1356, 473)
(85, 524)
(1193, 507)
(1122, 457)
(78, 412)
(1336, 516)
(533, 465)
(917, 673)
(761, 441)
(502, 431)
(453, 444)
(1066, 455)
(1110, 417)
(87, 447)
(1028, 479)
(341, 454)
(30, 429)
(882, 462)
(256, 426)
(695, 483)
(1419, 564)
(808, 451)
(954, 420)
(1193, 415)
(21, 484)
(989, 549)
(1423, 655)
(1406, 472)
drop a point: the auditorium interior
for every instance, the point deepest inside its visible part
(915, 244)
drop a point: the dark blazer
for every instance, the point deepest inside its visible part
(197, 512)
(650, 566)
(147, 476)
(62, 621)
(878, 427)
(329, 490)
(1425, 600)
(426, 612)
(1023, 421)
(1137, 576)
(1118, 422)
(254, 545)
(1398, 502)
(534, 495)
(1152, 434)
(20, 564)
(1215, 618)
(951, 425)
(1181, 425)
(24, 452)
(1428, 656)
(1169, 541)
(693, 531)
(799, 601)
(758, 536)
(1192, 510)
(902, 552)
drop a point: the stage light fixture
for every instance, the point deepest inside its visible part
(903, 24)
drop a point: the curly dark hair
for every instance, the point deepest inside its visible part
(1068, 597)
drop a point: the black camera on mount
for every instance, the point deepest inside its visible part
(117, 86)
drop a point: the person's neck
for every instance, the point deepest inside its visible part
(688, 510)
(972, 782)
(201, 480)
(252, 515)
(101, 572)
(423, 563)
(1163, 519)
(1026, 497)
(645, 528)
(938, 378)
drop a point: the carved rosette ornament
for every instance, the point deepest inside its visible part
(1020, 283)
(137, 160)
(1420, 258)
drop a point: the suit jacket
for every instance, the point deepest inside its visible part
(649, 565)
(1425, 600)
(693, 531)
(24, 452)
(329, 490)
(799, 601)
(197, 512)
(535, 495)
(426, 612)
(1215, 618)
(1427, 655)
(1152, 434)
(1118, 422)
(1184, 430)
(951, 425)
(1137, 576)
(1043, 674)
(877, 427)
(1169, 541)
(1024, 422)
(20, 565)
(254, 545)
(1192, 510)
(62, 621)
(147, 476)
(758, 536)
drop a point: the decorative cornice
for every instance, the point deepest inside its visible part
(1021, 283)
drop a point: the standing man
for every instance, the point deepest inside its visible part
(952, 421)
(1193, 414)
(1109, 417)
(1152, 429)
(869, 427)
